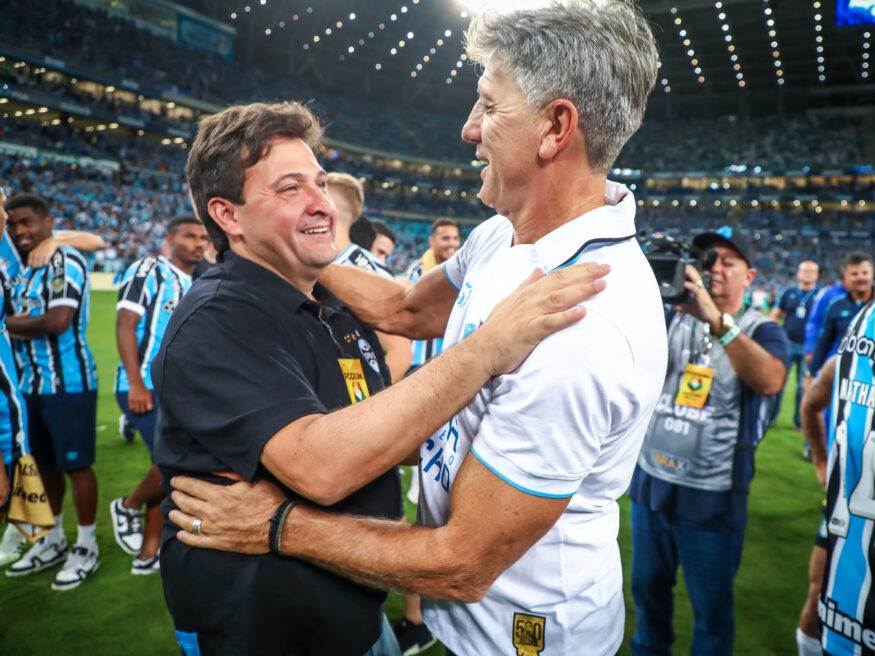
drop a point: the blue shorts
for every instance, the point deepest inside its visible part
(144, 423)
(62, 428)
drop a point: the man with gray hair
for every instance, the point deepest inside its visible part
(517, 542)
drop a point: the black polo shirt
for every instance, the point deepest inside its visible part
(245, 354)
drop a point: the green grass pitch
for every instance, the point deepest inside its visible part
(117, 613)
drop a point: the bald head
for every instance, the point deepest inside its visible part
(807, 274)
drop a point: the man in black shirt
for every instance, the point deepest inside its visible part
(255, 362)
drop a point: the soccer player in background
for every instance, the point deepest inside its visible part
(348, 195)
(150, 290)
(384, 241)
(846, 466)
(59, 383)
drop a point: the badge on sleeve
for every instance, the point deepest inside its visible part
(528, 634)
(695, 386)
(356, 384)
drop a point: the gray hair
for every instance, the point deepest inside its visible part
(600, 55)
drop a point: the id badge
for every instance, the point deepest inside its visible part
(800, 311)
(695, 386)
(356, 384)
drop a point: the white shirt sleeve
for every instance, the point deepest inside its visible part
(548, 421)
(476, 243)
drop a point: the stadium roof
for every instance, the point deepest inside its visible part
(744, 56)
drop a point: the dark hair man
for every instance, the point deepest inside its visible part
(857, 278)
(254, 358)
(384, 241)
(150, 290)
(793, 307)
(726, 364)
(519, 485)
(59, 382)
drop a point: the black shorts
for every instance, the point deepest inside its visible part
(62, 428)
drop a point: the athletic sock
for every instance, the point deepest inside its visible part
(806, 645)
(56, 534)
(87, 535)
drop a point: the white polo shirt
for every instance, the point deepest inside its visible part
(568, 423)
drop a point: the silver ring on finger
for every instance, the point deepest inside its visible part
(699, 284)
(196, 526)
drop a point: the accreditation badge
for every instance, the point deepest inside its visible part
(356, 384)
(695, 386)
(800, 311)
(528, 634)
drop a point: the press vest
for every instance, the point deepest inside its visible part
(702, 448)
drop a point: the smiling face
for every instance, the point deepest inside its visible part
(444, 241)
(28, 228)
(287, 220)
(503, 127)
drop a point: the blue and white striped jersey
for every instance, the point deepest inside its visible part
(10, 261)
(151, 287)
(847, 601)
(13, 412)
(423, 349)
(52, 364)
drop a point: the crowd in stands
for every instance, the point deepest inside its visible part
(116, 47)
(129, 209)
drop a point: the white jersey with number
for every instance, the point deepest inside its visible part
(567, 424)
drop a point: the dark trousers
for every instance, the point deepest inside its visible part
(710, 560)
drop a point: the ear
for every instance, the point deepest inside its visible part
(222, 212)
(751, 275)
(560, 120)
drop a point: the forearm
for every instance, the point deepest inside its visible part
(322, 463)
(81, 241)
(126, 341)
(30, 327)
(389, 305)
(383, 554)
(756, 366)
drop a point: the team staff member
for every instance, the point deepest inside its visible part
(857, 277)
(254, 358)
(793, 306)
(847, 604)
(349, 197)
(727, 363)
(59, 382)
(519, 486)
(150, 290)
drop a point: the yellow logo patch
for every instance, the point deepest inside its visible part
(354, 377)
(528, 634)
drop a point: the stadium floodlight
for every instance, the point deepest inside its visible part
(502, 6)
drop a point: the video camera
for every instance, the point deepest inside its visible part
(668, 258)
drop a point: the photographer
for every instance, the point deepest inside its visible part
(726, 365)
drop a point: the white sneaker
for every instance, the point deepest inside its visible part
(149, 566)
(126, 429)
(12, 546)
(127, 526)
(81, 562)
(47, 552)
